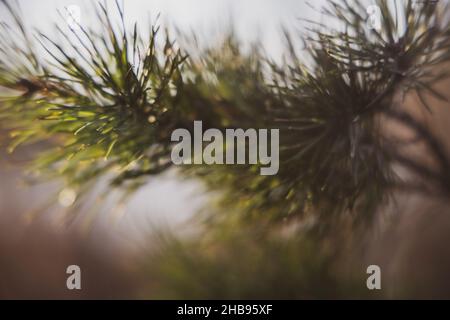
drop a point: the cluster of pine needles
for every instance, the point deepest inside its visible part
(106, 100)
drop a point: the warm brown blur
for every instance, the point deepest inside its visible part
(34, 255)
(414, 251)
(34, 260)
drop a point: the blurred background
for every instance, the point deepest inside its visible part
(36, 244)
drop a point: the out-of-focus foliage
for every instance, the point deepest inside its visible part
(108, 101)
(252, 263)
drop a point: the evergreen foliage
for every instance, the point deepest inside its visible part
(108, 100)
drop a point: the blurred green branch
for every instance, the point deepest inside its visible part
(109, 100)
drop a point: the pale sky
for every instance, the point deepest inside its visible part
(252, 19)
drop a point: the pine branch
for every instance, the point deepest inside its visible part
(104, 111)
